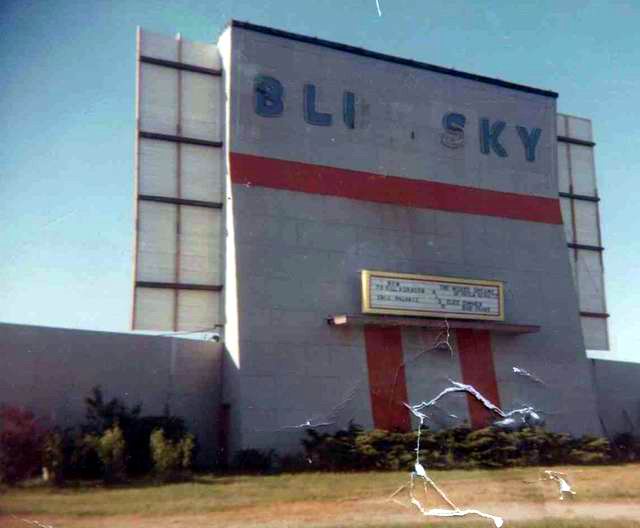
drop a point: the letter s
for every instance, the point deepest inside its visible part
(453, 124)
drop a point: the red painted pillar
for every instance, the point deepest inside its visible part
(476, 363)
(387, 382)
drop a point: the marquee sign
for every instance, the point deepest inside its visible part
(430, 296)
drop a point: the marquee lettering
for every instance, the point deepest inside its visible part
(269, 101)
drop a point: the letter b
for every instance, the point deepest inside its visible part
(268, 96)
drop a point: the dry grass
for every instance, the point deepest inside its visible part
(332, 499)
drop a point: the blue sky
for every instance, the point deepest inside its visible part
(67, 123)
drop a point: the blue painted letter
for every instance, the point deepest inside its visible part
(311, 115)
(453, 123)
(489, 137)
(530, 141)
(349, 109)
(268, 96)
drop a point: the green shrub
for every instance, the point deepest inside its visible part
(380, 449)
(625, 447)
(492, 448)
(53, 457)
(292, 463)
(334, 452)
(460, 447)
(103, 414)
(187, 447)
(590, 450)
(171, 459)
(81, 456)
(110, 448)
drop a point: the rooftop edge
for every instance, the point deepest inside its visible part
(390, 58)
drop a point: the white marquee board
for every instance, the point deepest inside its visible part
(431, 296)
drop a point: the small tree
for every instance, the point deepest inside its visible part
(53, 460)
(21, 441)
(104, 413)
(111, 449)
(171, 459)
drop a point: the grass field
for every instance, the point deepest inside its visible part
(610, 494)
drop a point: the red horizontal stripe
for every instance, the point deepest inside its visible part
(367, 186)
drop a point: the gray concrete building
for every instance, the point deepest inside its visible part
(342, 160)
(363, 231)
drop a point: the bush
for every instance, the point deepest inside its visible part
(171, 459)
(625, 447)
(379, 449)
(110, 447)
(291, 463)
(334, 452)
(53, 457)
(137, 429)
(461, 447)
(81, 458)
(103, 415)
(590, 450)
(21, 442)
(114, 442)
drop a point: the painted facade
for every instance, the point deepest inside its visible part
(328, 161)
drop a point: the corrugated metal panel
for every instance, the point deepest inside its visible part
(579, 128)
(201, 54)
(587, 231)
(158, 167)
(567, 217)
(154, 308)
(564, 178)
(572, 261)
(201, 170)
(576, 176)
(595, 331)
(200, 245)
(582, 170)
(202, 173)
(561, 124)
(199, 310)
(158, 46)
(201, 102)
(179, 245)
(156, 242)
(158, 99)
(590, 282)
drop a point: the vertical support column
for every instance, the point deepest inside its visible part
(387, 382)
(136, 175)
(572, 202)
(476, 364)
(176, 293)
(224, 427)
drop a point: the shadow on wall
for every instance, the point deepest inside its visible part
(52, 371)
(618, 394)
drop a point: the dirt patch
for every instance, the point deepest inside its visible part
(337, 514)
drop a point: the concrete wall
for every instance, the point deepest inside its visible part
(51, 371)
(618, 389)
(299, 254)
